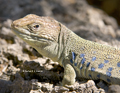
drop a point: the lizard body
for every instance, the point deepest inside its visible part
(79, 57)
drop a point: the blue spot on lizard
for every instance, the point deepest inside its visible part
(106, 61)
(108, 74)
(92, 69)
(101, 65)
(98, 75)
(83, 61)
(81, 68)
(110, 69)
(75, 64)
(88, 64)
(71, 61)
(82, 55)
(73, 55)
(93, 58)
(108, 80)
(118, 64)
(90, 75)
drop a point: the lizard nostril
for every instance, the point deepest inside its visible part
(14, 25)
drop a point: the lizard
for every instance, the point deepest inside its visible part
(80, 58)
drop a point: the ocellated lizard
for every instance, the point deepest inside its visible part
(79, 57)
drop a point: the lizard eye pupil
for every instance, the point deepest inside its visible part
(36, 26)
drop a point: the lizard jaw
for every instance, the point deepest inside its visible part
(26, 35)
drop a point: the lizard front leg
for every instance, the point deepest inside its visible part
(69, 75)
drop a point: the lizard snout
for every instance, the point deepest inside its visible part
(13, 25)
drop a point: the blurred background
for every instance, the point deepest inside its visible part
(78, 15)
(14, 9)
(111, 7)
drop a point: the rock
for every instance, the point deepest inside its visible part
(7, 23)
(90, 83)
(60, 89)
(102, 85)
(46, 87)
(14, 52)
(114, 89)
(20, 85)
(5, 86)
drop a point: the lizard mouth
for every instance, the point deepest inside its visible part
(25, 34)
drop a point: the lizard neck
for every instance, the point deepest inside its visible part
(55, 50)
(65, 46)
(62, 43)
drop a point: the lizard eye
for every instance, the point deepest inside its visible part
(36, 26)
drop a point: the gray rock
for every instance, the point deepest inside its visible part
(114, 89)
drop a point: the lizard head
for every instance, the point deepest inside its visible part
(36, 27)
(40, 32)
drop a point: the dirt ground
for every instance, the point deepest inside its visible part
(24, 70)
